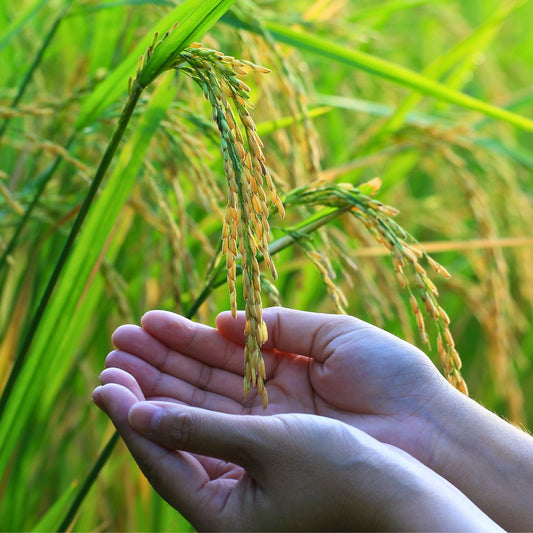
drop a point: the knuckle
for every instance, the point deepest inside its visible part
(178, 428)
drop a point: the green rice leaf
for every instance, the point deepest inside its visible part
(46, 366)
(391, 71)
(459, 59)
(194, 18)
(53, 515)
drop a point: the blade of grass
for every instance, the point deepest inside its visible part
(53, 515)
(525, 97)
(194, 17)
(66, 523)
(458, 58)
(35, 63)
(384, 69)
(27, 382)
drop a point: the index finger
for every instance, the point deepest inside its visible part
(194, 340)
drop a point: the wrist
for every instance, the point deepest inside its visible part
(412, 497)
(441, 423)
(402, 494)
(485, 457)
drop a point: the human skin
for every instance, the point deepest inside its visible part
(289, 472)
(342, 368)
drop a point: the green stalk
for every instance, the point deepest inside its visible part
(87, 484)
(91, 193)
(34, 65)
(42, 180)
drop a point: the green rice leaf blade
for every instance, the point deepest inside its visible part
(51, 519)
(194, 18)
(46, 366)
(459, 59)
(391, 71)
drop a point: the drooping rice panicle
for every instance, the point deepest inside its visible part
(323, 265)
(245, 228)
(405, 252)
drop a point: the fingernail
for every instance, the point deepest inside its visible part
(145, 417)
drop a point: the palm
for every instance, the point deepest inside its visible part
(223, 491)
(350, 370)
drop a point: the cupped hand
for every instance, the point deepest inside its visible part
(254, 473)
(335, 366)
(283, 472)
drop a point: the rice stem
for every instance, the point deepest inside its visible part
(91, 193)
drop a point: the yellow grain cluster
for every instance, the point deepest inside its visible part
(405, 252)
(245, 229)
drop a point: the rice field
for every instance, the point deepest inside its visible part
(338, 156)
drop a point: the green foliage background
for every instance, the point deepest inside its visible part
(433, 96)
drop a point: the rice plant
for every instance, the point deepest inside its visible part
(328, 155)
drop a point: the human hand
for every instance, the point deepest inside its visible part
(329, 365)
(283, 472)
(343, 368)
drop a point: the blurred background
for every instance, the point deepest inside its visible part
(434, 97)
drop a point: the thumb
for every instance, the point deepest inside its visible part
(235, 438)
